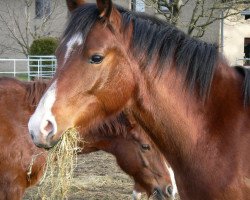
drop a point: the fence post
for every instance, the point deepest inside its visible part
(38, 69)
(28, 68)
(54, 66)
(41, 63)
(14, 67)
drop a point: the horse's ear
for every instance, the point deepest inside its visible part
(105, 8)
(73, 4)
(109, 13)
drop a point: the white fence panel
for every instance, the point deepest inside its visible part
(30, 68)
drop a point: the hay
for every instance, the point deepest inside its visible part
(97, 177)
(60, 164)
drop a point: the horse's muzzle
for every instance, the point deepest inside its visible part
(42, 133)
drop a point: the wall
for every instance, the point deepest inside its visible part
(57, 21)
(234, 34)
(27, 22)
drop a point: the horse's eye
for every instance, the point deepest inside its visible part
(96, 59)
(145, 147)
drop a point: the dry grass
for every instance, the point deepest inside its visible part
(60, 165)
(96, 177)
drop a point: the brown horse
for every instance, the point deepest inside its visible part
(135, 152)
(17, 147)
(179, 89)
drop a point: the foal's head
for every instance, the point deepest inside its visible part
(94, 77)
(147, 166)
(135, 153)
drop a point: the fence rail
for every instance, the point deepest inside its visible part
(243, 61)
(30, 68)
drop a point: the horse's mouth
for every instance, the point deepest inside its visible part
(44, 146)
(47, 146)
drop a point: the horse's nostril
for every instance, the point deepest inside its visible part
(49, 127)
(158, 194)
(169, 190)
(32, 135)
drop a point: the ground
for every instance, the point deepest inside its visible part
(97, 177)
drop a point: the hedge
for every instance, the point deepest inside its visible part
(44, 46)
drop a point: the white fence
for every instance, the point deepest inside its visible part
(30, 68)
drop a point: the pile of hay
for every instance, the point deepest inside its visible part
(60, 164)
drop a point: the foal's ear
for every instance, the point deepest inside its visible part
(73, 4)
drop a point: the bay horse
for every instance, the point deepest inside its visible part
(135, 153)
(17, 148)
(179, 89)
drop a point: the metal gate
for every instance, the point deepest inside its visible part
(34, 67)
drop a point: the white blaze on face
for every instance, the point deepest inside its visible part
(75, 40)
(43, 112)
(171, 173)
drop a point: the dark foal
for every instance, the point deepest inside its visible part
(135, 154)
(179, 89)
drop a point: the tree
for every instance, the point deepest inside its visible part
(203, 12)
(22, 21)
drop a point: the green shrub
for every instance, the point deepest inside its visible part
(42, 46)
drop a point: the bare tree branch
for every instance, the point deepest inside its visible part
(203, 12)
(19, 27)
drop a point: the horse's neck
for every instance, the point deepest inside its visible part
(104, 145)
(182, 125)
(166, 101)
(166, 111)
(99, 140)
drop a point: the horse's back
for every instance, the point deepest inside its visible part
(7, 82)
(12, 91)
(12, 101)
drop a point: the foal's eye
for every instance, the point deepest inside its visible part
(96, 59)
(145, 147)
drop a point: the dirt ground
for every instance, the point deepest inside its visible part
(97, 177)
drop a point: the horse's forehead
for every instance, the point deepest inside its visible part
(75, 39)
(99, 36)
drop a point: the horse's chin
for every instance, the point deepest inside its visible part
(48, 145)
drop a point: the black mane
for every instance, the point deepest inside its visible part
(154, 38)
(245, 72)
